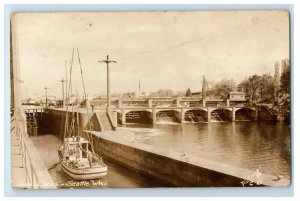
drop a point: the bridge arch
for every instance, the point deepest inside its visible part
(221, 108)
(134, 116)
(195, 115)
(168, 109)
(137, 110)
(221, 114)
(246, 108)
(245, 114)
(168, 115)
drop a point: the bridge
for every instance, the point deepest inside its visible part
(180, 109)
(169, 102)
(186, 114)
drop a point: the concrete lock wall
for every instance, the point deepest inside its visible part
(177, 173)
(174, 168)
(53, 121)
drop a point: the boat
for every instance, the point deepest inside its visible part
(76, 156)
(78, 161)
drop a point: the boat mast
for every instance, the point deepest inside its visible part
(85, 98)
(68, 96)
(66, 67)
(77, 114)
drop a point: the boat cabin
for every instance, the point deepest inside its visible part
(77, 148)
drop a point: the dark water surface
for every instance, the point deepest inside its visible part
(251, 145)
(117, 177)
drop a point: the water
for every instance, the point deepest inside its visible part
(251, 145)
(117, 177)
(244, 144)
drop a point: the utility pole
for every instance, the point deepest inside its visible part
(107, 61)
(46, 88)
(63, 93)
(35, 99)
(139, 88)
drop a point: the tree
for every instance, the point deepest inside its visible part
(162, 93)
(210, 87)
(285, 77)
(204, 87)
(276, 78)
(188, 93)
(258, 88)
(223, 87)
(276, 71)
(267, 90)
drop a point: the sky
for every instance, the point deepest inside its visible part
(164, 50)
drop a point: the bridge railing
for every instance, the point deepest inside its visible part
(36, 175)
(241, 105)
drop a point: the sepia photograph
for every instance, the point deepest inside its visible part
(150, 99)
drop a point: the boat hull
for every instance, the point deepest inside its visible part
(83, 173)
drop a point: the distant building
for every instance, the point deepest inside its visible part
(197, 94)
(127, 95)
(240, 96)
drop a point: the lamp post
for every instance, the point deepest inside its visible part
(107, 61)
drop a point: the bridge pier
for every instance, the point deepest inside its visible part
(182, 115)
(123, 117)
(233, 112)
(203, 103)
(208, 114)
(177, 102)
(227, 103)
(256, 114)
(119, 103)
(154, 115)
(149, 102)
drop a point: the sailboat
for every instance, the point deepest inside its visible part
(76, 155)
